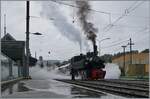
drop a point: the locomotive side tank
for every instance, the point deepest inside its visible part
(88, 66)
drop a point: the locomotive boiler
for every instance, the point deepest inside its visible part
(89, 66)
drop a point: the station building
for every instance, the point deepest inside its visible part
(13, 58)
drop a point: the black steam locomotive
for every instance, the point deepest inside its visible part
(88, 66)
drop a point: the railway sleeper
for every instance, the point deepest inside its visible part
(122, 89)
(113, 90)
(141, 83)
(145, 87)
(118, 85)
(128, 82)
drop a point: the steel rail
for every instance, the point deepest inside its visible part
(122, 90)
(131, 87)
(128, 82)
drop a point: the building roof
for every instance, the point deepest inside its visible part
(8, 37)
(15, 49)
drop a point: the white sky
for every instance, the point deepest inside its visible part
(134, 25)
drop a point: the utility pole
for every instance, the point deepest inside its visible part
(27, 38)
(81, 44)
(130, 43)
(4, 24)
(123, 59)
(99, 41)
(35, 54)
(99, 48)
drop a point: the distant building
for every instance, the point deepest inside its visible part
(139, 66)
(40, 58)
(9, 68)
(15, 50)
(41, 61)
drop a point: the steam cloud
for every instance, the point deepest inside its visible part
(112, 71)
(51, 10)
(38, 73)
(83, 14)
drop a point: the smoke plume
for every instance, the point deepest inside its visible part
(52, 10)
(83, 14)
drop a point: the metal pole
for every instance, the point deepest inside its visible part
(27, 38)
(4, 24)
(124, 59)
(35, 54)
(81, 44)
(99, 47)
(131, 50)
(10, 69)
(100, 44)
(109, 18)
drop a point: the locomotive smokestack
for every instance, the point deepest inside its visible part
(92, 37)
(95, 48)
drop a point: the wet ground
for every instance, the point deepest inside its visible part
(13, 88)
(51, 87)
(42, 85)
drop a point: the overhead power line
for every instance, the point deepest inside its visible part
(127, 11)
(102, 12)
(133, 5)
(135, 34)
(80, 7)
(142, 30)
(114, 51)
(115, 44)
(143, 39)
(127, 26)
(133, 8)
(127, 40)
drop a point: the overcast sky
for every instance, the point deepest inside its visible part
(61, 43)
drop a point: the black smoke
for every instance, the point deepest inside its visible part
(83, 13)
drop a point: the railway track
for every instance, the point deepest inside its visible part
(126, 88)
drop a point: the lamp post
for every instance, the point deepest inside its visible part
(40, 17)
(36, 33)
(26, 70)
(100, 42)
(123, 59)
(27, 39)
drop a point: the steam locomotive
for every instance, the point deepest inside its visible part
(88, 66)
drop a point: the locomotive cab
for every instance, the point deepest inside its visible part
(88, 66)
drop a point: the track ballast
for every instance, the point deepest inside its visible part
(126, 88)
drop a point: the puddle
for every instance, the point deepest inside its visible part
(72, 91)
(12, 88)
